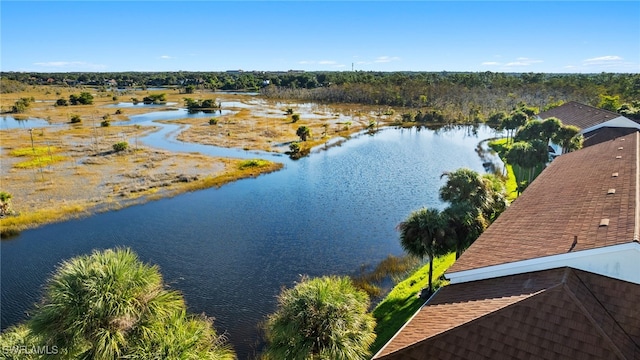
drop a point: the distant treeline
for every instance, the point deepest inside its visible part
(458, 96)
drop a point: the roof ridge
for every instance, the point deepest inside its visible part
(473, 320)
(579, 303)
(516, 301)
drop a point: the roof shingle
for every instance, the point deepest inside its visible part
(580, 115)
(569, 198)
(550, 314)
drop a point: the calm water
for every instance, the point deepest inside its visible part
(9, 122)
(230, 250)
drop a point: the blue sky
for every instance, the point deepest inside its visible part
(503, 36)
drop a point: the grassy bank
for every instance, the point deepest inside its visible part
(234, 170)
(403, 301)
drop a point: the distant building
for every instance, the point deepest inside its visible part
(556, 276)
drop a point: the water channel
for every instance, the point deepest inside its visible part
(231, 250)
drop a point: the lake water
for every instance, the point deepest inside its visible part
(231, 250)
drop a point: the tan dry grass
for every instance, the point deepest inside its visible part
(89, 176)
(93, 177)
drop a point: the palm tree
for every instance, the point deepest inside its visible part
(465, 186)
(107, 305)
(464, 225)
(422, 234)
(321, 318)
(568, 137)
(475, 201)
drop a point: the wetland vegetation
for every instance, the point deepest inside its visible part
(94, 155)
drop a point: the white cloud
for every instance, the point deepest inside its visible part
(306, 62)
(490, 63)
(327, 62)
(386, 59)
(165, 57)
(523, 61)
(71, 64)
(603, 59)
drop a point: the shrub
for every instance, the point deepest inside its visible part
(118, 112)
(62, 102)
(213, 121)
(105, 123)
(120, 146)
(252, 163)
(294, 147)
(75, 119)
(321, 318)
(295, 117)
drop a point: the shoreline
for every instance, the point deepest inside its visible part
(11, 226)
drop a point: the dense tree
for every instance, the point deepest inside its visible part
(611, 103)
(84, 98)
(423, 234)
(111, 305)
(320, 318)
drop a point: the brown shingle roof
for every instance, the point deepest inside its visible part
(569, 198)
(580, 115)
(551, 314)
(605, 134)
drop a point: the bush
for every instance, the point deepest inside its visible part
(294, 147)
(213, 121)
(321, 318)
(75, 119)
(62, 102)
(118, 112)
(295, 117)
(105, 123)
(253, 163)
(120, 146)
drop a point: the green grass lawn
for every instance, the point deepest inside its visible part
(402, 302)
(515, 174)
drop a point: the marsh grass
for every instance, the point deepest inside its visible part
(231, 174)
(253, 163)
(403, 301)
(12, 225)
(40, 161)
(35, 151)
(392, 268)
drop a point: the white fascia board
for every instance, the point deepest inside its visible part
(620, 122)
(617, 261)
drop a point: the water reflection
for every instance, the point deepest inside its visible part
(10, 122)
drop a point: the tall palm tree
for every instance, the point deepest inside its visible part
(423, 234)
(568, 138)
(320, 318)
(464, 225)
(106, 305)
(475, 201)
(465, 186)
